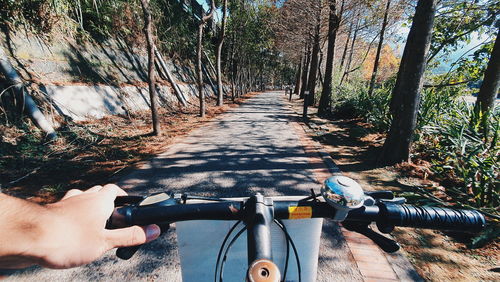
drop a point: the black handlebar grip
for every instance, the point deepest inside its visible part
(431, 217)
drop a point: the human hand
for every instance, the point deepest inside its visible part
(79, 236)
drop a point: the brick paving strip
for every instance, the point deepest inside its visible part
(373, 263)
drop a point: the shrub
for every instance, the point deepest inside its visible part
(463, 146)
(352, 101)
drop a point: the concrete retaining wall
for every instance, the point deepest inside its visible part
(84, 102)
(94, 79)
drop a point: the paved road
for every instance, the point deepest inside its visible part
(252, 148)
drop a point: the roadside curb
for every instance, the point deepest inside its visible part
(372, 262)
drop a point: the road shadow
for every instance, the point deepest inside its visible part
(220, 171)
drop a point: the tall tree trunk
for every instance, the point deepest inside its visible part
(341, 13)
(199, 51)
(240, 81)
(333, 25)
(379, 49)
(346, 46)
(489, 88)
(233, 81)
(151, 67)
(311, 85)
(298, 77)
(406, 93)
(220, 93)
(305, 71)
(351, 53)
(320, 62)
(178, 93)
(233, 67)
(199, 68)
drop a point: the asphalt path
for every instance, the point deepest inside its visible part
(251, 148)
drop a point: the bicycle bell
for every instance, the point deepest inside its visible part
(344, 194)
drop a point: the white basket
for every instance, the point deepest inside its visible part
(200, 240)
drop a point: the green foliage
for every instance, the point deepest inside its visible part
(251, 37)
(99, 18)
(471, 68)
(175, 27)
(352, 101)
(463, 146)
(491, 233)
(38, 15)
(456, 21)
(434, 102)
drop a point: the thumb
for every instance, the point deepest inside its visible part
(132, 236)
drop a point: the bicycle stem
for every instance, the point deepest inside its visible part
(259, 212)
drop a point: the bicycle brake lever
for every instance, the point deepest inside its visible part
(159, 199)
(128, 200)
(380, 194)
(386, 244)
(126, 253)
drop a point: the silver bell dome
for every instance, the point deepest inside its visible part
(343, 192)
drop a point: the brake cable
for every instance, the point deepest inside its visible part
(282, 226)
(227, 251)
(222, 248)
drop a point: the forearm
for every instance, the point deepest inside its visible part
(69, 233)
(21, 229)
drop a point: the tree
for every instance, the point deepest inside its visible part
(313, 69)
(489, 88)
(253, 53)
(333, 25)
(298, 78)
(379, 49)
(199, 52)
(305, 70)
(346, 46)
(406, 93)
(458, 20)
(293, 32)
(151, 66)
(220, 90)
(351, 53)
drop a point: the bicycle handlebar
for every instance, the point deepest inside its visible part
(258, 213)
(384, 214)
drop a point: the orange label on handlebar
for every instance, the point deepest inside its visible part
(299, 212)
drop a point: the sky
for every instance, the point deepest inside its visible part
(445, 63)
